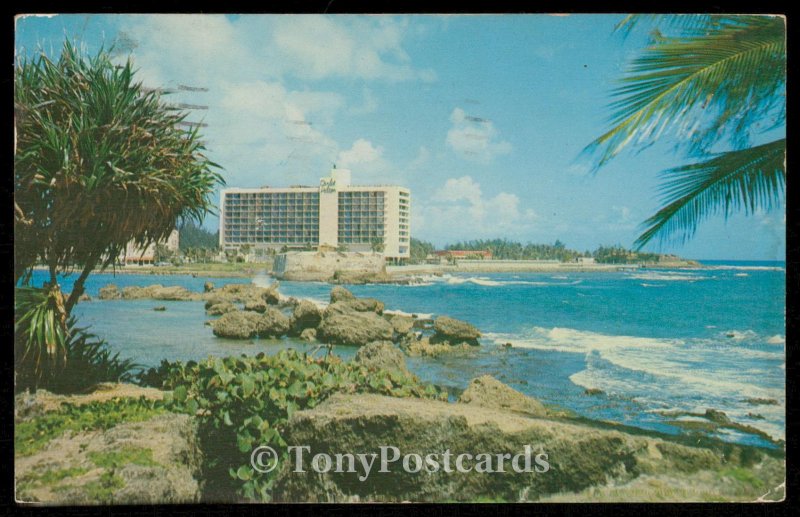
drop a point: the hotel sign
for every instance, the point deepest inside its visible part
(327, 185)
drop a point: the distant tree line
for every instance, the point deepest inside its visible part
(620, 255)
(504, 249)
(195, 236)
(200, 244)
(420, 250)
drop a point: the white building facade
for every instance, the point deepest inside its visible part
(134, 254)
(335, 214)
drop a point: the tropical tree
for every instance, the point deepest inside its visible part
(717, 84)
(420, 250)
(162, 253)
(377, 245)
(99, 162)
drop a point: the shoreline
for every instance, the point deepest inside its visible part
(407, 272)
(283, 301)
(521, 266)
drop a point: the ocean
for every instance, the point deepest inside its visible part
(653, 341)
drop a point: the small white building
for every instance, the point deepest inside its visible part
(147, 255)
(585, 260)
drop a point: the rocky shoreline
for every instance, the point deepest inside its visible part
(247, 311)
(144, 453)
(159, 457)
(404, 275)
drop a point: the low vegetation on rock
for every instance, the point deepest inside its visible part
(244, 402)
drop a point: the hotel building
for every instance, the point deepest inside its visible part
(334, 214)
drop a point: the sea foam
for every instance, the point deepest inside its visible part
(684, 373)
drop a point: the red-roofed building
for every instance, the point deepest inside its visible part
(465, 254)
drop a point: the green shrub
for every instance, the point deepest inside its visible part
(244, 402)
(90, 361)
(40, 335)
(59, 357)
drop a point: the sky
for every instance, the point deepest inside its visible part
(483, 117)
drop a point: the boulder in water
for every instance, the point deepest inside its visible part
(486, 391)
(306, 315)
(382, 355)
(221, 308)
(110, 292)
(256, 305)
(273, 323)
(270, 295)
(354, 328)
(340, 294)
(309, 335)
(453, 331)
(424, 347)
(175, 293)
(236, 325)
(402, 325)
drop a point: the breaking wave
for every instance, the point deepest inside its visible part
(687, 373)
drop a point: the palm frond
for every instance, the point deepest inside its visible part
(99, 162)
(686, 23)
(724, 79)
(750, 179)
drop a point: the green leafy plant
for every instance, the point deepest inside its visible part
(89, 362)
(40, 336)
(716, 83)
(59, 357)
(244, 402)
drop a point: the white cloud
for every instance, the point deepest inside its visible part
(457, 189)
(260, 129)
(459, 209)
(186, 48)
(475, 138)
(617, 218)
(361, 152)
(318, 47)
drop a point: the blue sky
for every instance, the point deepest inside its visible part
(483, 117)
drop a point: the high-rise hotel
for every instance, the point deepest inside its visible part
(335, 214)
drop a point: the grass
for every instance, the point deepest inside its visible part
(743, 476)
(728, 484)
(102, 490)
(126, 456)
(50, 477)
(32, 435)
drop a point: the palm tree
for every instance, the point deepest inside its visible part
(99, 162)
(377, 245)
(716, 84)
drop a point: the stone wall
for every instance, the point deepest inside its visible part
(326, 266)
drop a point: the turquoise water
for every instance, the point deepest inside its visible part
(651, 340)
